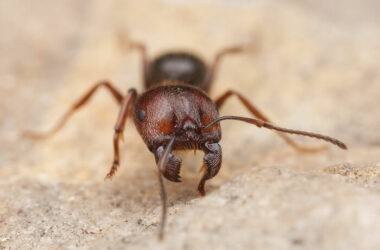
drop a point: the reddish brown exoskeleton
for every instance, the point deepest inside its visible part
(176, 113)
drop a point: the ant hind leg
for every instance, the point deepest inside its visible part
(212, 70)
(126, 43)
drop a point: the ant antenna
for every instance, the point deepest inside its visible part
(260, 124)
(161, 167)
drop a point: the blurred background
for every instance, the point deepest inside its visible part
(316, 69)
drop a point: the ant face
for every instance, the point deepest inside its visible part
(183, 111)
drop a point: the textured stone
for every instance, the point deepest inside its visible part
(316, 68)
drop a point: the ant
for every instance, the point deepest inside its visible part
(176, 113)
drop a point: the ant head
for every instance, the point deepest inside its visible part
(181, 111)
(153, 116)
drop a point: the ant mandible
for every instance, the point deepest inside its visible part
(176, 113)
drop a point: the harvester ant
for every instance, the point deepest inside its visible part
(176, 113)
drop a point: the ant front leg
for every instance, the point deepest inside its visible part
(211, 164)
(124, 111)
(77, 105)
(254, 111)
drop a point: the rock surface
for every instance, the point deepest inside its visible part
(316, 68)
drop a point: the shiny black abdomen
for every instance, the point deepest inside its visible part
(177, 66)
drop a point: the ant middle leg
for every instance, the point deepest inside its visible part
(77, 105)
(254, 111)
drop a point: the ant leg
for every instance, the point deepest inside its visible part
(209, 79)
(254, 111)
(124, 111)
(83, 100)
(128, 44)
(211, 164)
(173, 166)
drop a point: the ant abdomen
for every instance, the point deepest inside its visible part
(177, 66)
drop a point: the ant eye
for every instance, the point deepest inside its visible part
(141, 115)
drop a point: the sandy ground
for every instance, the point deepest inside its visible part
(316, 69)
